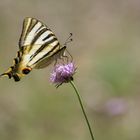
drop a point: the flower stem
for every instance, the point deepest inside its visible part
(83, 110)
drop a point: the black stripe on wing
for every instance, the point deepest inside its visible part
(48, 54)
(47, 37)
(38, 35)
(29, 24)
(26, 29)
(44, 46)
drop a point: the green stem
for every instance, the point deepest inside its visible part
(83, 110)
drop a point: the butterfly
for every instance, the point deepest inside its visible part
(38, 47)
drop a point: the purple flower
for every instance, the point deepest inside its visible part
(116, 107)
(62, 73)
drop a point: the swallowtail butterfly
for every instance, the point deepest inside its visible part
(38, 47)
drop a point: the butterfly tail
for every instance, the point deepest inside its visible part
(5, 74)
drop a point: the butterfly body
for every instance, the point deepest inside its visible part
(38, 47)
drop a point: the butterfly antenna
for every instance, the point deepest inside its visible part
(69, 39)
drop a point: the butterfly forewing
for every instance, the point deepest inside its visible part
(38, 40)
(30, 28)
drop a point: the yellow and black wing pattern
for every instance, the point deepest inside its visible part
(38, 47)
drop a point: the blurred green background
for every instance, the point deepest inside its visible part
(106, 50)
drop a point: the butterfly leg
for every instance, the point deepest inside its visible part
(55, 62)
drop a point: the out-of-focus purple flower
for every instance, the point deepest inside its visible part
(62, 73)
(115, 107)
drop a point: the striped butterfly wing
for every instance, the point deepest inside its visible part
(49, 58)
(38, 47)
(39, 44)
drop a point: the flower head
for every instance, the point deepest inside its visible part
(62, 73)
(115, 107)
